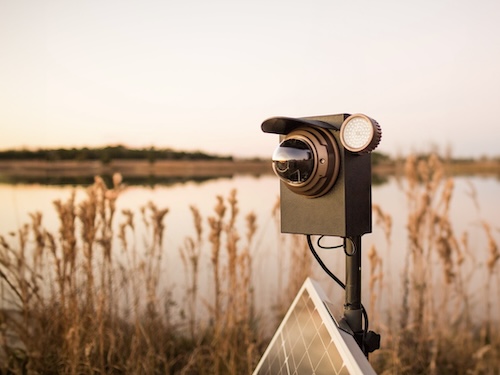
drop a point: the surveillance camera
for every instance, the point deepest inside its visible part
(324, 166)
(307, 160)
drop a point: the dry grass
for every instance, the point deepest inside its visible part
(87, 300)
(432, 330)
(66, 293)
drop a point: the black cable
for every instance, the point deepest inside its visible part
(328, 247)
(354, 248)
(365, 316)
(323, 265)
(335, 278)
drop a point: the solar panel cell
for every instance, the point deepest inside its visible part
(309, 341)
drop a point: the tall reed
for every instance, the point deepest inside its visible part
(63, 310)
(229, 344)
(89, 298)
(434, 331)
(92, 298)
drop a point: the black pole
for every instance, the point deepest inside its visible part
(352, 308)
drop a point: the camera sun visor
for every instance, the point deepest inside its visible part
(284, 125)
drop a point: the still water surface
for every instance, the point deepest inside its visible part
(259, 195)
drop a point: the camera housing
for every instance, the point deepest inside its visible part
(325, 188)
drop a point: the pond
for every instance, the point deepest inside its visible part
(475, 200)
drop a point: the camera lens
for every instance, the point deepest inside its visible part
(293, 161)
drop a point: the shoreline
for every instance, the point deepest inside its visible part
(133, 168)
(195, 168)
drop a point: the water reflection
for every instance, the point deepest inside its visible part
(61, 180)
(53, 179)
(259, 194)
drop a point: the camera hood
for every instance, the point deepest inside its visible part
(284, 125)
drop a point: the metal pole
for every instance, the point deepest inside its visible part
(352, 307)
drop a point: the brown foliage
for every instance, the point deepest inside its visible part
(85, 299)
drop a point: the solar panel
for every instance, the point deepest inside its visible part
(309, 341)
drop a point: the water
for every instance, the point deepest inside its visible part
(259, 195)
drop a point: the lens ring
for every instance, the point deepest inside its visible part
(313, 159)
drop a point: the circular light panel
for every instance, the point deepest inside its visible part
(360, 134)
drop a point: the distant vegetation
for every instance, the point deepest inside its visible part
(108, 153)
(120, 152)
(152, 153)
(380, 158)
(383, 163)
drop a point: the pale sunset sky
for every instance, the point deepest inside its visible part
(204, 74)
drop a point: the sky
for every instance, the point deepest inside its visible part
(204, 74)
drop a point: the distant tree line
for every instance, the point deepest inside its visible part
(380, 158)
(107, 154)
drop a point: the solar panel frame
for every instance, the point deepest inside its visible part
(310, 341)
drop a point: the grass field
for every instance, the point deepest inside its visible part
(62, 292)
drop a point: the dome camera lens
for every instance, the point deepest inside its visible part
(293, 161)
